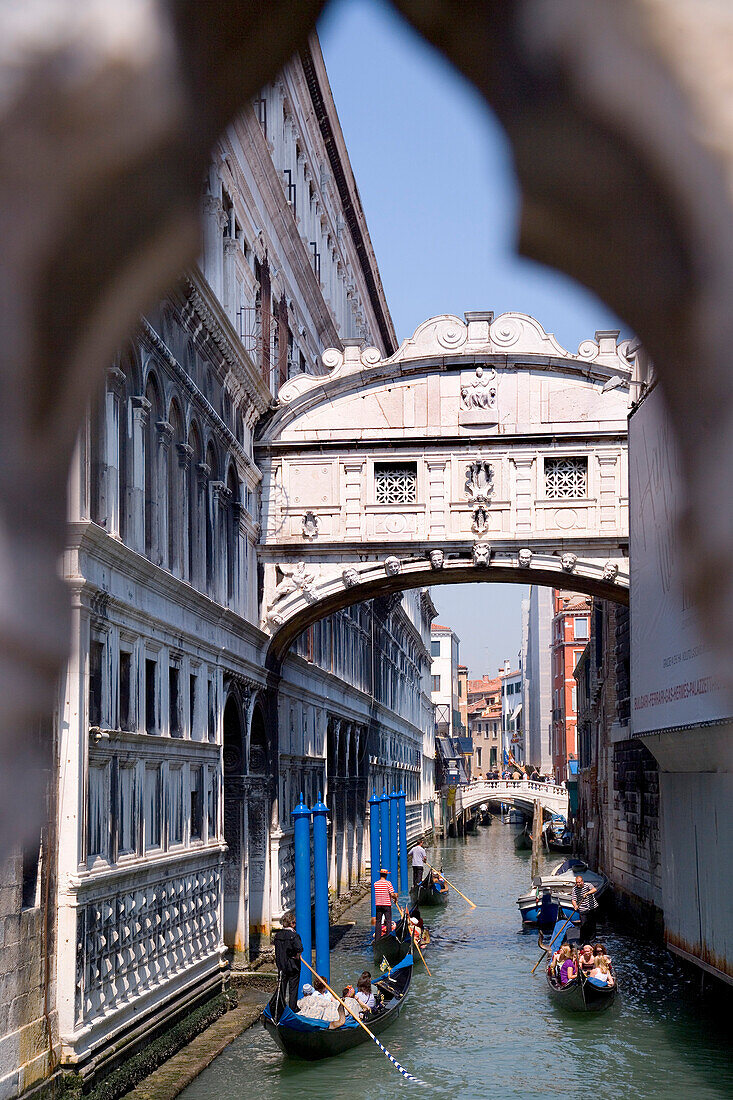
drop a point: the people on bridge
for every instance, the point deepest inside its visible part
(384, 895)
(418, 857)
(288, 949)
(585, 904)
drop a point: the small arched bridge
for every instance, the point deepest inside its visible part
(480, 451)
(520, 793)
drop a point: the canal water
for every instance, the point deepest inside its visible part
(483, 1025)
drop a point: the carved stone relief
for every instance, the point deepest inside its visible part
(481, 554)
(478, 404)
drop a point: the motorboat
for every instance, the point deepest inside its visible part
(550, 895)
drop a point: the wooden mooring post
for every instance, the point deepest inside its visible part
(536, 837)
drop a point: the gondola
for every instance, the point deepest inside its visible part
(583, 994)
(430, 892)
(300, 1037)
(396, 944)
(523, 840)
(472, 825)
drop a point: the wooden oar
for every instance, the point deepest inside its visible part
(445, 880)
(549, 947)
(412, 937)
(361, 1024)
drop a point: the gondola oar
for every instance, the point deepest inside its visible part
(445, 880)
(361, 1023)
(549, 947)
(417, 945)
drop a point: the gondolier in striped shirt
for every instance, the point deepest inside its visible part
(586, 906)
(384, 895)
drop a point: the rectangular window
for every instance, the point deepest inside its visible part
(581, 629)
(566, 477)
(31, 859)
(125, 687)
(436, 683)
(127, 810)
(435, 647)
(212, 805)
(192, 704)
(175, 805)
(151, 687)
(574, 699)
(196, 801)
(96, 662)
(174, 701)
(98, 811)
(395, 482)
(153, 799)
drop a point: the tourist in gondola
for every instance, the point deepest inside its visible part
(364, 995)
(384, 895)
(288, 949)
(585, 905)
(348, 996)
(568, 969)
(586, 959)
(418, 857)
(602, 972)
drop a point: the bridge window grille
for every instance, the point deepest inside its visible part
(395, 483)
(566, 477)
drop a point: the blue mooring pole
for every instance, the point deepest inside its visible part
(320, 876)
(393, 833)
(302, 821)
(384, 830)
(404, 882)
(374, 849)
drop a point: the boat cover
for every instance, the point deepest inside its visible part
(597, 983)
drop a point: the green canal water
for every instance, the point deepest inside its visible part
(483, 1026)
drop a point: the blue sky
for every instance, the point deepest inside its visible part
(435, 176)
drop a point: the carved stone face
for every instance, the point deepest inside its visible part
(568, 562)
(392, 566)
(436, 559)
(350, 577)
(610, 571)
(525, 558)
(481, 553)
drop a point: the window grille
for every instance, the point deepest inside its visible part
(395, 483)
(566, 477)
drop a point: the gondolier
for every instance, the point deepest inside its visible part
(586, 906)
(288, 950)
(418, 856)
(384, 895)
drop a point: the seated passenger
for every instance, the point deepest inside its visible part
(311, 1004)
(364, 994)
(587, 959)
(600, 952)
(330, 1005)
(348, 996)
(602, 973)
(568, 967)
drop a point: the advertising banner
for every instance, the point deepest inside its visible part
(672, 683)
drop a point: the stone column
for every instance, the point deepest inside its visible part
(435, 498)
(113, 397)
(202, 474)
(220, 502)
(164, 435)
(185, 453)
(352, 496)
(230, 250)
(524, 496)
(214, 220)
(136, 492)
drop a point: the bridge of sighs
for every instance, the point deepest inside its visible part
(481, 450)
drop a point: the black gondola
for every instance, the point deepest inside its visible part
(395, 945)
(430, 892)
(300, 1037)
(583, 994)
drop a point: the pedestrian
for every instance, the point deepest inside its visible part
(418, 856)
(585, 904)
(384, 895)
(288, 949)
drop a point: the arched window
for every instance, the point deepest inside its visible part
(152, 487)
(209, 504)
(232, 533)
(124, 450)
(177, 497)
(195, 516)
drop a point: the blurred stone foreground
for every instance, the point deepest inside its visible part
(620, 117)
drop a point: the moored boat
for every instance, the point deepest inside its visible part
(301, 1037)
(431, 891)
(559, 883)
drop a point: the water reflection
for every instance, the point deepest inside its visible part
(484, 1025)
